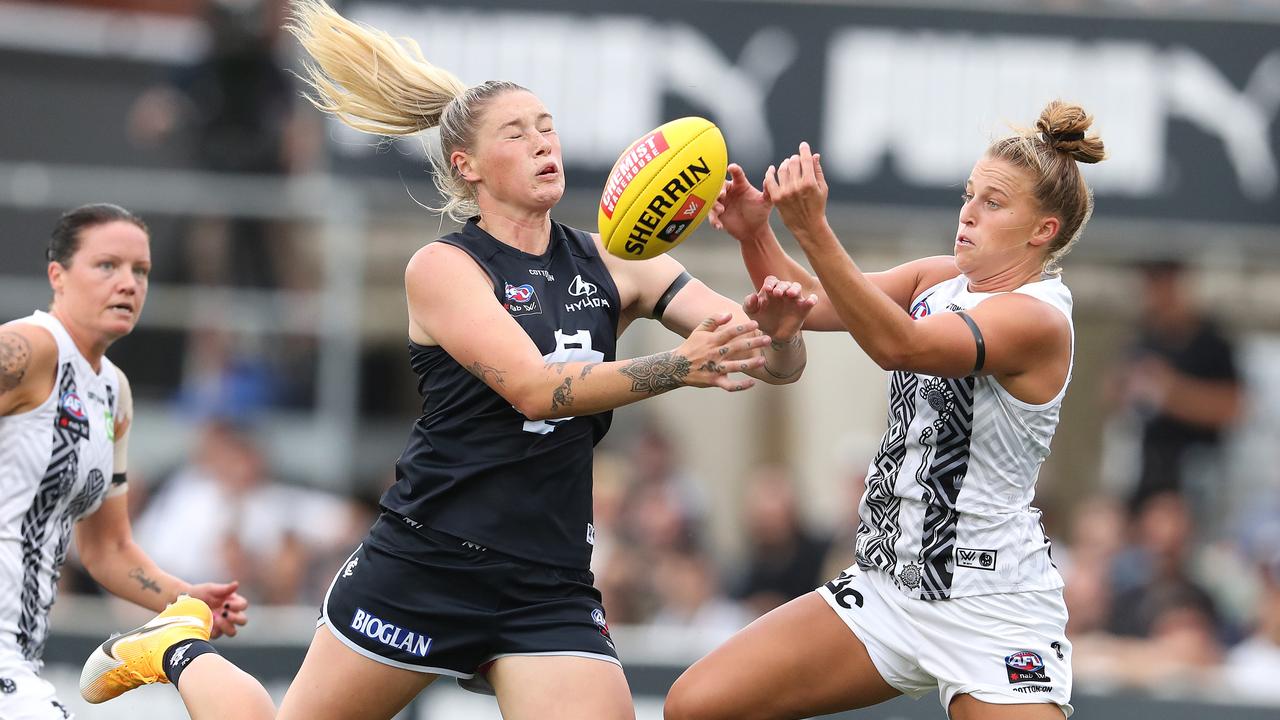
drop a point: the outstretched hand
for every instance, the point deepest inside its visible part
(228, 606)
(717, 349)
(741, 209)
(780, 307)
(799, 190)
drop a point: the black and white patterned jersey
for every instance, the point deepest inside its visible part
(56, 466)
(474, 466)
(947, 510)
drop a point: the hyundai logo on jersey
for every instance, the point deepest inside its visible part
(522, 300)
(580, 287)
(376, 628)
(1025, 666)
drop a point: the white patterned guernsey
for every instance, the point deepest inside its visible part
(56, 466)
(947, 510)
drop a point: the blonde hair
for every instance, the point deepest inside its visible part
(1051, 151)
(383, 85)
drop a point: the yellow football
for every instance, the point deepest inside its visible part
(662, 187)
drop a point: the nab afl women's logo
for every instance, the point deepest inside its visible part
(921, 308)
(72, 405)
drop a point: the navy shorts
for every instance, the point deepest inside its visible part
(422, 600)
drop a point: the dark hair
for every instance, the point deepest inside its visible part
(65, 239)
(1051, 152)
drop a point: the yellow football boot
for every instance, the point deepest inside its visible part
(136, 658)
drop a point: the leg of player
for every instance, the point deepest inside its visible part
(174, 647)
(562, 687)
(212, 688)
(798, 661)
(966, 707)
(337, 683)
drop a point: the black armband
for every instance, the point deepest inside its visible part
(118, 479)
(672, 290)
(977, 339)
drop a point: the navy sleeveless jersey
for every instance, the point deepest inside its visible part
(474, 466)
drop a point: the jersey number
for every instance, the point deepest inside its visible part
(569, 348)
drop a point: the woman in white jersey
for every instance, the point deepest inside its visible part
(64, 426)
(953, 590)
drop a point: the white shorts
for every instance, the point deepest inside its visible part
(1008, 648)
(25, 695)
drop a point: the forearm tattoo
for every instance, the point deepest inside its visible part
(15, 355)
(485, 372)
(794, 342)
(557, 366)
(146, 582)
(586, 370)
(562, 396)
(657, 373)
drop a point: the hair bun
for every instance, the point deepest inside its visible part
(1062, 127)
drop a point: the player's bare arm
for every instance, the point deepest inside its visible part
(28, 367)
(743, 211)
(451, 304)
(780, 311)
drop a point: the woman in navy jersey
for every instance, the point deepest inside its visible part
(478, 566)
(65, 412)
(953, 591)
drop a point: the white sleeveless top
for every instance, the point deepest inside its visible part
(56, 464)
(947, 510)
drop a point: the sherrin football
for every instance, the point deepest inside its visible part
(662, 187)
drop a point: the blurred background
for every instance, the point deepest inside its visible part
(272, 388)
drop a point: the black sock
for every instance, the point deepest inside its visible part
(180, 654)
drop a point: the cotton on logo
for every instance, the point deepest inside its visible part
(580, 287)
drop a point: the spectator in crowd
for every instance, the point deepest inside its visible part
(234, 111)
(1182, 385)
(1153, 575)
(222, 513)
(785, 558)
(1251, 668)
(690, 597)
(1097, 536)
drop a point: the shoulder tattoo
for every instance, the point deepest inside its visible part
(15, 356)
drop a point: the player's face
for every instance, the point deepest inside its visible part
(105, 284)
(1001, 223)
(516, 154)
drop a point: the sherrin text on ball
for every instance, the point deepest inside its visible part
(662, 187)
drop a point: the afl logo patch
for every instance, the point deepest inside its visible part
(1025, 666)
(522, 300)
(597, 617)
(73, 405)
(921, 308)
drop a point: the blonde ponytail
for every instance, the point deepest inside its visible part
(366, 78)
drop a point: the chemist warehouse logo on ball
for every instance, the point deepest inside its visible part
(376, 628)
(629, 165)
